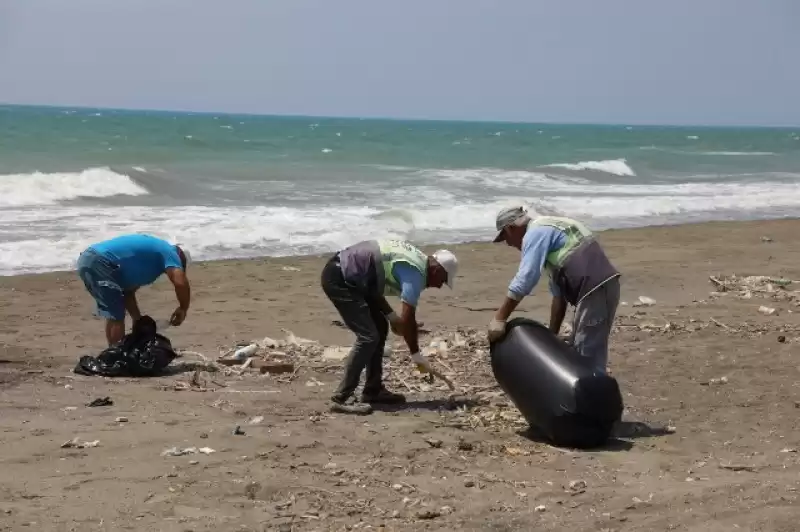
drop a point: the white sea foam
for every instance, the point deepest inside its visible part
(738, 153)
(50, 188)
(53, 238)
(425, 206)
(716, 153)
(497, 179)
(613, 166)
(671, 200)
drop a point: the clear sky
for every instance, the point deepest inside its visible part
(618, 61)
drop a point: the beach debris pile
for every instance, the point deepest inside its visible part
(774, 288)
(771, 297)
(463, 354)
(270, 355)
(461, 383)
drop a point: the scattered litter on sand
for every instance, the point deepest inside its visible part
(335, 353)
(774, 287)
(76, 443)
(177, 451)
(462, 355)
(286, 356)
(101, 401)
(645, 301)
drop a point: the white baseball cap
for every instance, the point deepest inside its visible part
(449, 262)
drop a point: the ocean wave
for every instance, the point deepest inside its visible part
(218, 232)
(50, 239)
(713, 153)
(503, 179)
(611, 166)
(652, 202)
(738, 153)
(37, 188)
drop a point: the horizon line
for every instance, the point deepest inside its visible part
(395, 118)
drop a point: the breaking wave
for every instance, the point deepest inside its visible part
(37, 188)
(612, 166)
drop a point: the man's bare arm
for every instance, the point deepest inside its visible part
(558, 309)
(408, 319)
(132, 306)
(505, 310)
(181, 283)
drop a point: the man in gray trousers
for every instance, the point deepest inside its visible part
(356, 280)
(580, 274)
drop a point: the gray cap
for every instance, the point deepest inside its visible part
(506, 217)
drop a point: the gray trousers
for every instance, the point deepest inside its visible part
(594, 317)
(362, 315)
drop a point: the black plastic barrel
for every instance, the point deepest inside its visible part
(559, 392)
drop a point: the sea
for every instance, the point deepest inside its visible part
(232, 186)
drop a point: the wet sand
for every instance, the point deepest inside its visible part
(731, 462)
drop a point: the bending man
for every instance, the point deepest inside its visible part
(356, 280)
(113, 270)
(580, 274)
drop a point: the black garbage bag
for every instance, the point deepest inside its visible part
(142, 353)
(559, 392)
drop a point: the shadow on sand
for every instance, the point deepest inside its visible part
(451, 403)
(178, 368)
(618, 441)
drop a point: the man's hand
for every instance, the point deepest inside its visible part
(177, 317)
(497, 329)
(422, 363)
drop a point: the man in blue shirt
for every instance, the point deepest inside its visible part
(113, 270)
(580, 275)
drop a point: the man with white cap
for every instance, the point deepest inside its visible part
(580, 274)
(113, 270)
(357, 280)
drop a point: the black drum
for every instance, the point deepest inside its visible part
(558, 391)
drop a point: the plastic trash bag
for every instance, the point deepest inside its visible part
(142, 353)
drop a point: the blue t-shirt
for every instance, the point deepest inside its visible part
(141, 258)
(539, 240)
(411, 282)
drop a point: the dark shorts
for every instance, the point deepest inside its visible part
(100, 276)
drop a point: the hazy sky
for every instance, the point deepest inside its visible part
(622, 61)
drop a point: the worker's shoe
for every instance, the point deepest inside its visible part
(383, 396)
(344, 405)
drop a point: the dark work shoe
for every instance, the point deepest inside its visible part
(343, 406)
(383, 396)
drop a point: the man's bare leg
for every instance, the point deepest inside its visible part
(115, 330)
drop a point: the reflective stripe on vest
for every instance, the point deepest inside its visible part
(395, 251)
(575, 232)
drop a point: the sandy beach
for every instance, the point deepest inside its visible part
(710, 368)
